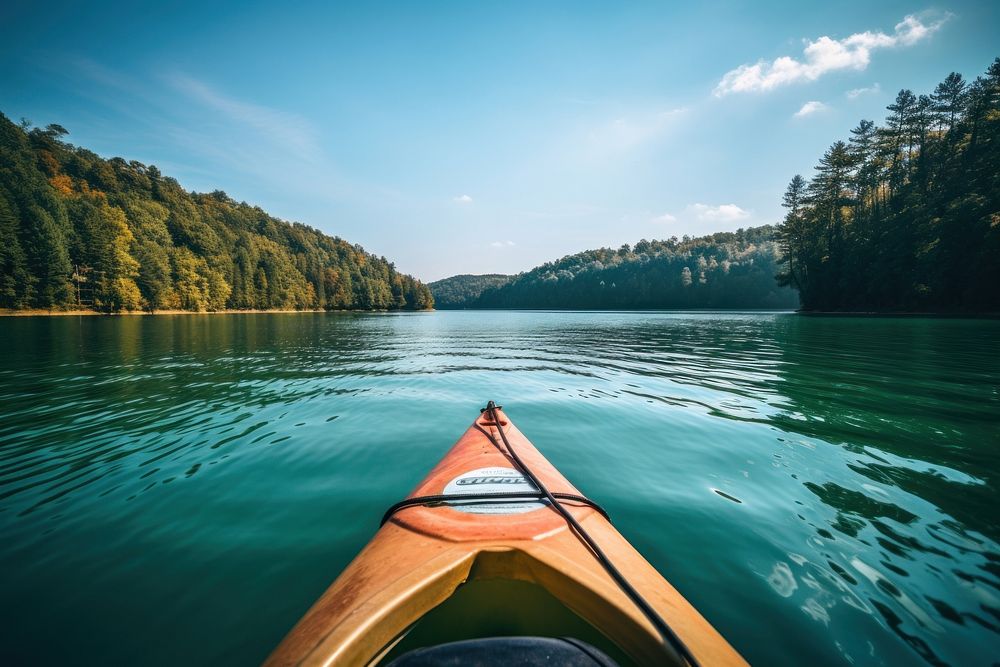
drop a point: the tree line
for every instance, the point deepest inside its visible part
(724, 270)
(461, 290)
(906, 216)
(77, 230)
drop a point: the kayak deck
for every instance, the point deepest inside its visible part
(423, 554)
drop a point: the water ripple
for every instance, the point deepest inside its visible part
(833, 477)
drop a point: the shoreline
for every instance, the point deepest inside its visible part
(876, 313)
(789, 311)
(41, 312)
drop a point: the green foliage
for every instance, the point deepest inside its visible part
(48, 258)
(724, 270)
(905, 217)
(16, 283)
(116, 235)
(458, 291)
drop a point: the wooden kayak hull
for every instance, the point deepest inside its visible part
(420, 557)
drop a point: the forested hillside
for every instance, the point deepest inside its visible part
(905, 216)
(77, 230)
(724, 270)
(461, 290)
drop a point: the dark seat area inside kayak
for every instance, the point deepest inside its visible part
(505, 651)
(483, 612)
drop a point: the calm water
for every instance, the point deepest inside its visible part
(178, 490)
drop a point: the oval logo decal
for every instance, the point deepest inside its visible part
(487, 481)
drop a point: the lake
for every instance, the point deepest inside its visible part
(180, 489)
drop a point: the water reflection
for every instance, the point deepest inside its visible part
(914, 405)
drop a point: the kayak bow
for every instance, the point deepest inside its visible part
(478, 515)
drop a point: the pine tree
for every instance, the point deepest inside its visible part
(911, 219)
(949, 98)
(792, 235)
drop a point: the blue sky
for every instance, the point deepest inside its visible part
(482, 137)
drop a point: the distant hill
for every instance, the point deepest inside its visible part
(730, 270)
(459, 291)
(77, 230)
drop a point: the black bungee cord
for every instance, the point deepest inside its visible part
(487, 498)
(667, 633)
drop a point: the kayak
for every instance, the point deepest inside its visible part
(495, 509)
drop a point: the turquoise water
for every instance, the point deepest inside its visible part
(179, 489)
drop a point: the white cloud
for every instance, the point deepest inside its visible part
(665, 218)
(858, 92)
(721, 213)
(824, 55)
(462, 199)
(810, 107)
(502, 244)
